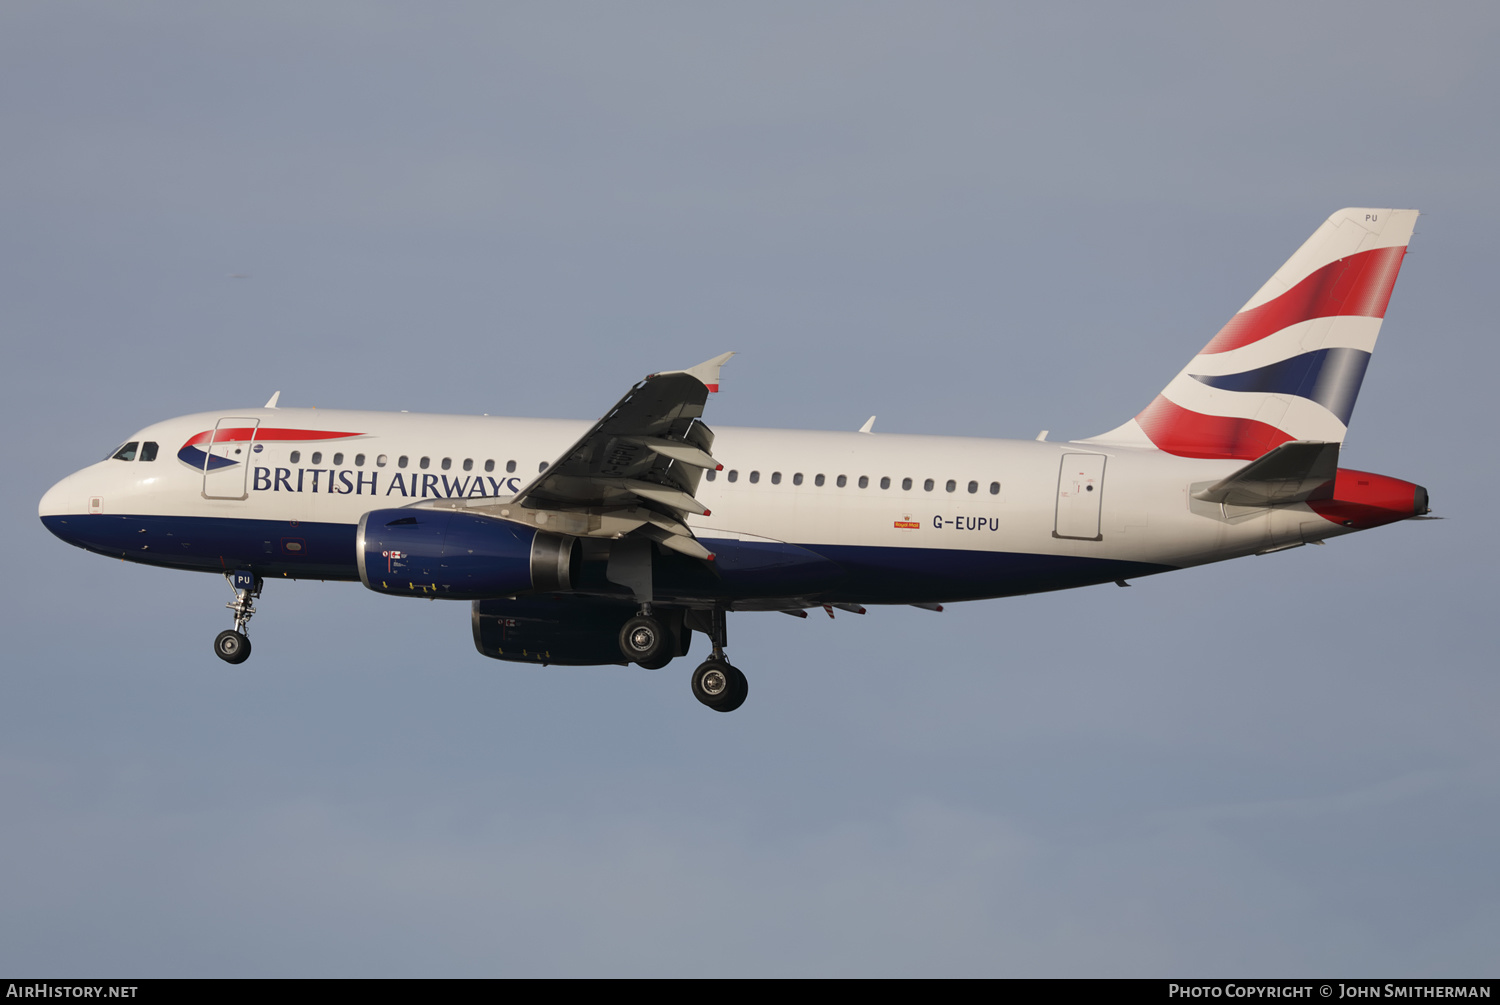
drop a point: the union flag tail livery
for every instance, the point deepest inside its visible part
(1288, 366)
(612, 542)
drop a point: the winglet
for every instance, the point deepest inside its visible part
(707, 371)
(274, 398)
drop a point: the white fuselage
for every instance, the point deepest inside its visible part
(853, 497)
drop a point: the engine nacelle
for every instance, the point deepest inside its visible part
(460, 556)
(564, 631)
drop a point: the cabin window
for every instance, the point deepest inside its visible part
(734, 475)
(754, 477)
(541, 467)
(906, 485)
(148, 451)
(994, 488)
(489, 465)
(424, 463)
(401, 461)
(842, 481)
(296, 457)
(510, 466)
(317, 457)
(338, 459)
(359, 460)
(818, 481)
(927, 485)
(952, 485)
(973, 487)
(468, 464)
(712, 474)
(380, 461)
(127, 452)
(775, 477)
(797, 478)
(885, 483)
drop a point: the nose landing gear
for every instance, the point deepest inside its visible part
(233, 645)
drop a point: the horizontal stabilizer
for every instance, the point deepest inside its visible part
(1293, 472)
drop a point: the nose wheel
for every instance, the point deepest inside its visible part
(233, 645)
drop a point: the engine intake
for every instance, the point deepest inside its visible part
(460, 556)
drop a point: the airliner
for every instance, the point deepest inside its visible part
(612, 542)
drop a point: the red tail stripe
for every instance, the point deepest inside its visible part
(1186, 433)
(245, 433)
(1359, 285)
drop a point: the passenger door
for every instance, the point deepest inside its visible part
(1080, 490)
(226, 462)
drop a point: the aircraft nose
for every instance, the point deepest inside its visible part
(60, 502)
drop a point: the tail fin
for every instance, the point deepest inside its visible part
(1288, 366)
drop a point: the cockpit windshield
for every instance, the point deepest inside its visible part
(128, 452)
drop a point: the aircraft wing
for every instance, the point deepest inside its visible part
(643, 461)
(1293, 472)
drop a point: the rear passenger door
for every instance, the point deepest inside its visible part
(1080, 490)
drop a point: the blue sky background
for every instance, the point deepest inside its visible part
(960, 217)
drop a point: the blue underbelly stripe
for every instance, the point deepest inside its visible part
(743, 570)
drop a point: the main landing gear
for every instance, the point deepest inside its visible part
(716, 683)
(645, 640)
(233, 645)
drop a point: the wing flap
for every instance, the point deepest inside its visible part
(644, 458)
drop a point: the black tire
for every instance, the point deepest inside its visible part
(720, 686)
(232, 647)
(643, 640)
(657, 663)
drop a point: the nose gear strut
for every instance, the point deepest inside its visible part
(233, 645)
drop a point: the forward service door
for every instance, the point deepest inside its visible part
(226, 461)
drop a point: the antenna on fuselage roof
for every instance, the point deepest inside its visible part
(274, 398)
(869, 426)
